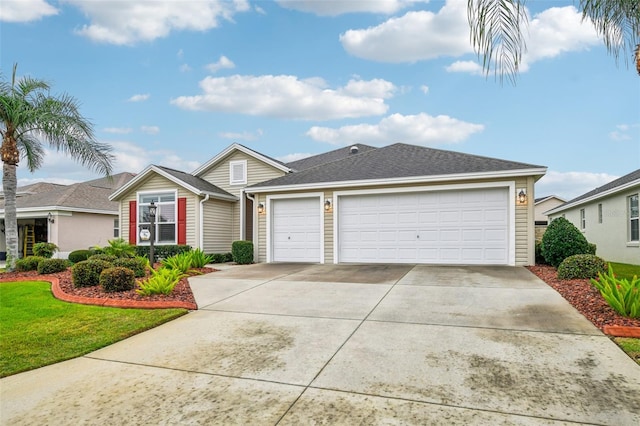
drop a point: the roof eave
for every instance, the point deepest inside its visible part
(152, 168)
(594, 197)
(537, 172)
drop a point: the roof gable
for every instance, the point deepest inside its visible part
(233, 147)
(399, 161)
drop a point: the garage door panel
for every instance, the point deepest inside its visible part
(296, 229)
(457, 227)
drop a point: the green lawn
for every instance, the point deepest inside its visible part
(625, 270)
(37, 329)
(630, 346)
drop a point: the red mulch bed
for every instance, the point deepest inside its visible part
(584, 297)
(181, 292)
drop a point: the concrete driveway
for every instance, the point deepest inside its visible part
(347, 344)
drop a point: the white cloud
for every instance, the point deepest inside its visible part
(259, 10)
(133, 158)
(117, 130)
(334, 8)
(285, 96)
(180, 54)
(294, 157)
(470, 67)
(139, 98)
(151, 130)
(424, 88)
(416, 36)
(625, 132)
(245, 136)
(569, 185)
(223, 63)
(420, 129)
(135, 21)
(25, 10)
(185, 68)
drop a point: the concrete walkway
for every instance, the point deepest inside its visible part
(347, 344)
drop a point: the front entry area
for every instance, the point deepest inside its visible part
(435, 227)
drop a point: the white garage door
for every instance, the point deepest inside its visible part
(446, 227)
(295, 230)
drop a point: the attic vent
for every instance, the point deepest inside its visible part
(354, 149)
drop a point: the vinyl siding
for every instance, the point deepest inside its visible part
(158, 183)
(218, 231)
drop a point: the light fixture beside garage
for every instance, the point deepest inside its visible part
(327, 205)
(522, 196)
(261, 208)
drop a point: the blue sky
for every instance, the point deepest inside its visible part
(175, 82)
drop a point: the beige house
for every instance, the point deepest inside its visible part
(73, 217)
(608, 216)
(395, 204)
(542, 205)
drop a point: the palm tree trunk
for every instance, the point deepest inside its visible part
(9, 185)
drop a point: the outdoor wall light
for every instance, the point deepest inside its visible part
(261, 208)
(327, 205)
(50, 218)
(522, 196)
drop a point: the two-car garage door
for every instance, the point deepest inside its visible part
(468, 226)
(448, 227)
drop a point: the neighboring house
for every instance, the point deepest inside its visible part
(73, 217)
(396, 204)
(608, 217)
(542, 205)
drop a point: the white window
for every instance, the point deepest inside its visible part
(600, 213)
(634, 218)
(583, 221)
(238, 172)
(116, 228)
(165, 221)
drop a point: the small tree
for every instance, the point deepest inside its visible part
(561, 240)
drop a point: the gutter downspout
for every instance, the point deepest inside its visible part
(255, 225)
(201, 242)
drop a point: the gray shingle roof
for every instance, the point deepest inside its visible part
(195, 182)
(635, 175)
(397, 161)
(327, 157)
(90, 195)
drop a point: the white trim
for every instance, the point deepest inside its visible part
(612, 191)
(254, 216)
(250, 152)
(401, 180)
(242, 181)
(201, 222)
(270, 198)
(510, 185)
(241, 226)
(151, 168)
(175, 213)
(37, 211)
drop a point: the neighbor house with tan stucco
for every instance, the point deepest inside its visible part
(359, 204)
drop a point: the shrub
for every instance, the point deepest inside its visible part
(561, 240)
(622, 295)
(119, 248)
(221, 257)
(87, 272)
(51, 266)
(228, 257)
(106, 257)
(137, 264)
(117, 279)
(242, 252)
(539, 257)
(80, 255)
(592, 248)
(161, 252)
(29, 263)
(44, 249)
(581, 266)
(199, 259)
(162, 281)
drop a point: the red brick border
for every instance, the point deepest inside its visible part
(113, 303)
(621, 331)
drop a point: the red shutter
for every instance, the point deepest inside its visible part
(182, 221)
(133, 214)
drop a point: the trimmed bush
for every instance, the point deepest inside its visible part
(539, 257)
(592, 248)
(561, 240)
(162, 252)
(117, 279)
(87, 272)
(29, 263)
(51, 266)
(221, 257)
(44, 249)
(228, 257)
(137, 264)
(242, 252)
(581, 266)
(80, 255)
(106, 257)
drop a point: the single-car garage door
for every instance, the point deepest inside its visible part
(446, 227)
(295, 230)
